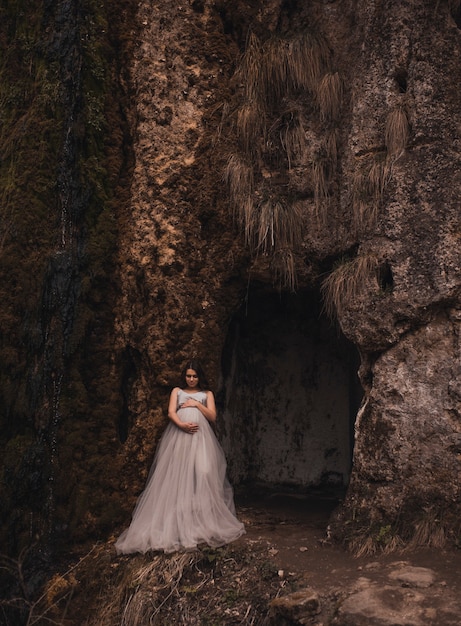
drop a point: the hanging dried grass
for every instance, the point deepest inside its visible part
(309, 58)
(265, 226)
(248, 221)
(331, 141)
(249, 69)
(369, 181)
(275, 70)
(251, 125)
(278, 225)
(377, 176)
(284, 268)
(238, 174)
(329, 96)
(272, 223)
(347, 282)
(293, 140)
(320, 180)
(225, 111)
(270, 73)
(292, 64)
(397, 132)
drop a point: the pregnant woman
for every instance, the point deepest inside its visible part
(187, 499)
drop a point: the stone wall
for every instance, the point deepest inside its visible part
(384, 230)
(336, 125)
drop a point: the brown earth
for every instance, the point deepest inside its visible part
(263, 578)
(295, 531)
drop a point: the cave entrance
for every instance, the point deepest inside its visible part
(289, 395)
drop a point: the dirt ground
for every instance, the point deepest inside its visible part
(296, 527)
(295, 530)
(285, 553)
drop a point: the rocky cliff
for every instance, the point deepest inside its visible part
(271, 186)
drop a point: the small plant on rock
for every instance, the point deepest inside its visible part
(349, 281)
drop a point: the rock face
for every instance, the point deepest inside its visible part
(407, 597)
(295, 608)
(382, 219)
(302, 151)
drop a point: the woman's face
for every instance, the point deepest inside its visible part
(191, 379)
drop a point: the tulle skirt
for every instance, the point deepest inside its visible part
(187, 499)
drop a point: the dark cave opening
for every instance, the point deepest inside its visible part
(288, 396)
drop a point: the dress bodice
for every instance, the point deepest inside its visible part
(200, 396)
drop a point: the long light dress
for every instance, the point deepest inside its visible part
(188, 499)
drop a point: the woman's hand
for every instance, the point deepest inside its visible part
(190, 402)
(189, 427)
(208, 410)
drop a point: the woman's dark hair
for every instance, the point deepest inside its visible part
(194, 364)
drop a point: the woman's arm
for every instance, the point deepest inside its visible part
(208, 410)
(188, 427)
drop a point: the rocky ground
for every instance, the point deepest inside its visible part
(283, 572)
(334, 587)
